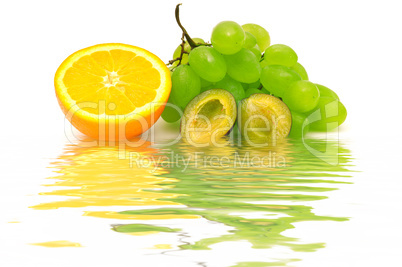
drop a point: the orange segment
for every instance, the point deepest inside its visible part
(148, 78)
(117, 102)
(80, 92)
(139, 95)
(137, 64)
(88, 64)
(121, 58)
(111, 84)
(79, 77)
(103, 59)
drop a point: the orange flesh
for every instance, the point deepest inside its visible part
(120, 79)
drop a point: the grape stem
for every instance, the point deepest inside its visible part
(262, 57)
(182, 52)
(172, 61)
(188, 38)
(182, 48)
(183, 41)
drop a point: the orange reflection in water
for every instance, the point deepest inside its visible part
(57, 244)
(103, 176)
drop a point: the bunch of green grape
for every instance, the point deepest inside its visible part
(241, 60)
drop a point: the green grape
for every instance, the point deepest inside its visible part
(261, 34)
(208, 87)
(176, 54)
(208, 63)
(186, 85)
(263, 63)
(249, 40)
(251, 91)
(255, 84)
(325, 91)
(187, 48)
(227, 37)
(243, 66)
(257, 52)
(197, 41)
(328, 115)
(265, 91)
(234, 87)
(300, 70)
(300, 125)
(277, 79)
(172, 112)
(280, 54)
(301, 96)
(245, 86)
(205, 83)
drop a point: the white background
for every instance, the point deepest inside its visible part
(353, 47)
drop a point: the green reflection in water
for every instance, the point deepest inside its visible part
(217, 185)
(137, 228)
(262, 264)
(220, 192)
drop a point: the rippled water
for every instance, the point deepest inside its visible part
(257, 193)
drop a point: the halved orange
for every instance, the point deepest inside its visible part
(112, 91)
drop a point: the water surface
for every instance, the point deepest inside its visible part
(256, 193)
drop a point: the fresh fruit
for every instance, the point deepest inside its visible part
(328, 115)
(251, 91)
(300, 125)
(262, 36)
(265, 91)
(228, 37)
(250, 43)
(208, 63)
(277, 79)
(206, 88)
(112, 91)
(187, 49)
(243, 66)
(249, 40)
(264, 117)
(245, 86)
(172, 112)
(325, 91)
(256, 51)
(185, 85)
(234, 62)
(263, 63)
(255, 84)
(205, 83)
(300, 70)
(208, 117)
(232, 86)
(301, 96)
(279, 54)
